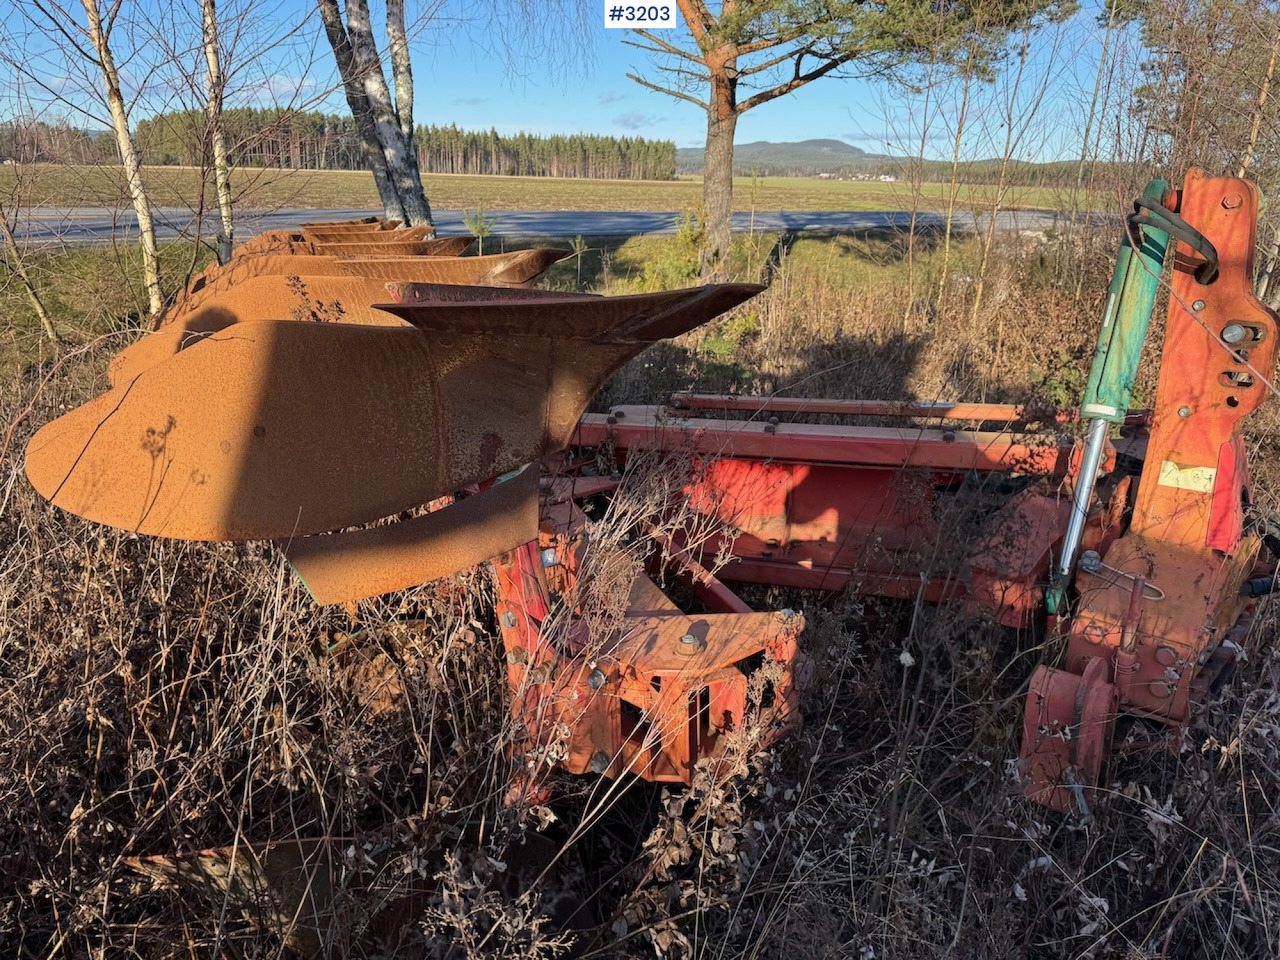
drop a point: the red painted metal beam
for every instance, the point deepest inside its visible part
(1002, 412)
(653, 427)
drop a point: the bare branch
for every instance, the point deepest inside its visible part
(660, 46)
(670, 93)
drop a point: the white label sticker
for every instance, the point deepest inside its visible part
(1199, 479)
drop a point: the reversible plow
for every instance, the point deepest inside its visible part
(391, 416)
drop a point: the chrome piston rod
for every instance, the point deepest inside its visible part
(1094, 445)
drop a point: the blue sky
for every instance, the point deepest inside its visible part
(569, 77)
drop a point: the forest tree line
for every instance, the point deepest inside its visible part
(318, 141)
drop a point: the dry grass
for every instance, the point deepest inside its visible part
(56, 185)
(159, 696)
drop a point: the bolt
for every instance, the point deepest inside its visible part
(691, 645)
(677, 402)
(1231, 201)
(620, 414)
(509, 620)
(600, 762)
(595, 679)
(1184, 412)
(1233, 332)
(1198, 305)
(516, 655)
(611, 419)
(771, 426)
(786, 613)
(949, 436)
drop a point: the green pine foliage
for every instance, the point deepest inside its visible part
(291, 139)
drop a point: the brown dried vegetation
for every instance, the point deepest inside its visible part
(160, 697)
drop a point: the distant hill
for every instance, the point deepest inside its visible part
(804, 158)
(811, 158)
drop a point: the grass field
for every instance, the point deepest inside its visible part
(73, 186)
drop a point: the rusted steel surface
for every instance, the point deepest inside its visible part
(224, 289)
(364, 248)
(407, 235)
(520, 268)
(281, 429)
(359, 223)
(337, 298)
(341, 567)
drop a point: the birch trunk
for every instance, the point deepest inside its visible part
(401, 67)
(128, 156)
(338, 39)
(221, 165)
(401, 157)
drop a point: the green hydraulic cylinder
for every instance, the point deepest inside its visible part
(1130, 303)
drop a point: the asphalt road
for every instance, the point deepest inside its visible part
(75, 226)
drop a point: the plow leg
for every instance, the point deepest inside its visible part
(1067, 730)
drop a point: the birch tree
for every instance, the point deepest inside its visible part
(90, 41)
(385, 122)
(217, 136)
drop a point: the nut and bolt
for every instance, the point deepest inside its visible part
(691, 644)
(596, 679)
(1198, 305)
(771, 426)
(1231, 201)
(1184, 412)
(509, 620)
(599, 762)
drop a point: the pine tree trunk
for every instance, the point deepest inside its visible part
(717, 172)
(221, 165)
(128, 157)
